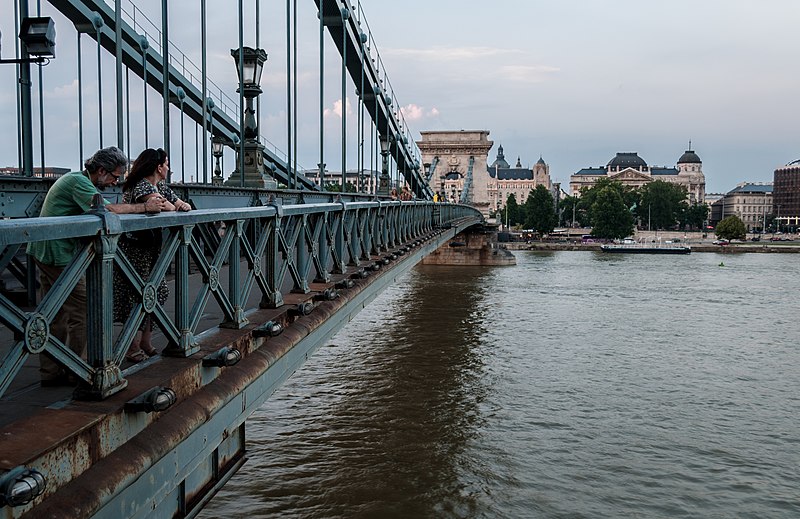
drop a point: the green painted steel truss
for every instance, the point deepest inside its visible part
(273, 249)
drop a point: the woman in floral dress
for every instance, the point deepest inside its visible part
(147, 179)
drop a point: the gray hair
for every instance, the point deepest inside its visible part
(109, 159)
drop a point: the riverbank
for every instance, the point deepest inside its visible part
(702, 247)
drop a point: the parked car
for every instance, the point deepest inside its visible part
(721, 242)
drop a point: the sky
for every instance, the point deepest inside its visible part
(573, 81)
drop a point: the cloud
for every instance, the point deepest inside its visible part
(337, 109)
(450, 53)
(527, 73)
(68, 91)
(412, 112)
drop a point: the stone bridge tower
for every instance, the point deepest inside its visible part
(450, 151)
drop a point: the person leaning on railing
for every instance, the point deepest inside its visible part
(72, 195)
(146, 180)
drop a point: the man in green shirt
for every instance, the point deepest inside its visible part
(72, 195)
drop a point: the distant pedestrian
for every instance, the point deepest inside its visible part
(72, 195)
(393, 193)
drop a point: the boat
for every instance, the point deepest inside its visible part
(646, 248)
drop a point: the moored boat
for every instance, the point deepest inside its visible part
(646, 248)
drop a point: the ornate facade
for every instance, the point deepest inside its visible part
(632, 170)
(519, 181)
(451, 157)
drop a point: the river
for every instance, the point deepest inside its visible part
(575, 384)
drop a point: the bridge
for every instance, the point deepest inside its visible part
(271, 262)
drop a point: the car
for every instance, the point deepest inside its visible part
(721, 242)
(755, 238)
(776, 238)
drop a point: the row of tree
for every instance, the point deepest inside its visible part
(610, 208)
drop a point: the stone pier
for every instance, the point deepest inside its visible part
(476, 246)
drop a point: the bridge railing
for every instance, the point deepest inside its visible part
(284, 248)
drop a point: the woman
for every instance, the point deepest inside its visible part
(146, 180)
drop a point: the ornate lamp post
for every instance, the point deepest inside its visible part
(250, 62)
(216, 151)
(383, 184)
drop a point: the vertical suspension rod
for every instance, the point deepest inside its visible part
(41, 101)
(80, 107)
(345, 16)
(165, 74)
(321, 99)
(118, 71)
(294, 97)
(241, 95)
(289, 89)
(203, 49)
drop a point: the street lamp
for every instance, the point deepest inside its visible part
(39, 36)
(383, 186)
(250, 65)
(216, 151)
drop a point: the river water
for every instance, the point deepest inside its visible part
(575, 384)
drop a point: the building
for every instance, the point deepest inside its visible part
(458, 160)
(49, 172)
(751, 202)
(518, 181)
(786, 195)
(631, 170)
(363, 182)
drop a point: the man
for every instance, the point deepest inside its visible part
(72, 195)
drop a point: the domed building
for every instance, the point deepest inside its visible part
(632, 170)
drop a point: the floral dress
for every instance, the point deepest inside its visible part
(142, 254)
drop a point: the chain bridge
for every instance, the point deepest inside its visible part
(269, 264)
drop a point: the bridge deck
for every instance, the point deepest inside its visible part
(101, 458)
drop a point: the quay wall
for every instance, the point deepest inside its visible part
(723, 249)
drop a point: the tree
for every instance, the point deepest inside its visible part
(628, 195)
(513, 211)
(569, 207)
(731, 228)
(611, 218)
(540, 211)
(696, 215)
(662, 204)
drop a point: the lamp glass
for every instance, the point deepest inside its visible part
(216, 146)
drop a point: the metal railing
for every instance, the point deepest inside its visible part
(283, 248)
